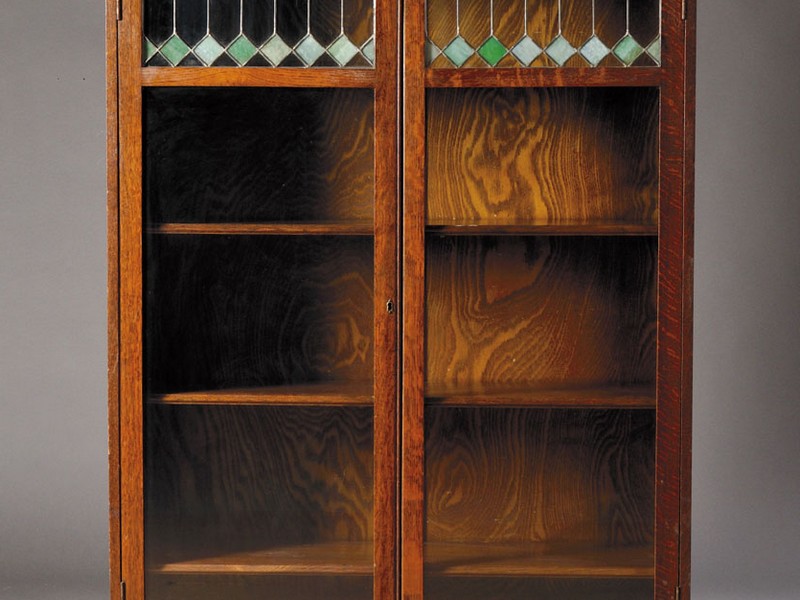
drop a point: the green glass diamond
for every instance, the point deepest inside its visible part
(432, 52)
(654, 50)
(150, 50)
(593, 51)
(242, 50)
(560, 50)
(526, 51)
(174, 50)
(309, 50)
(492, 51)
(458, 51)
(628, 50)
(275, 50)
(208, 50)
(342, 50)
(368, 50)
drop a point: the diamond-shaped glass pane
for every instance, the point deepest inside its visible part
(526, 50)
(432, 51)
(654, 50)
(628, 50)
(368, 50)
(275, 50)
(342, 50)
(174, 50)
(458, 51)
(208, 50)
(560, 50)
(242, 50)
(492, 51)
(309, 50)
(593, 51)
(150, 50)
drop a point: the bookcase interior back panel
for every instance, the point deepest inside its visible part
(259, 33)
(250, 155)
(243, 311)
(536, 155)
(543, 33)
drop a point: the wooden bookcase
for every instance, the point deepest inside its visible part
(400, 299)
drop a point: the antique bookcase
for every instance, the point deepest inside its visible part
(400, 298)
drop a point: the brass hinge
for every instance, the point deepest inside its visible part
(678, 593)
(122, 590)
(684, 9)
(119, 10)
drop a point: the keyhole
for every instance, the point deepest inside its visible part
(390, 307)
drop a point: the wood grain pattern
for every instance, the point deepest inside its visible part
(513, 228)
(229, 312)
(601, 397)
(540, 588)
(542, 155)
(543, 25)
(257, 77)
(525, 77)
(540, 311)
(229, 480)
(271, 586)
(338, 393)
(344, 228)
(537, 560)
(519, 476)
(258, 155)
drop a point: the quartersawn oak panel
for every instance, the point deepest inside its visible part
(471, 588)
(536, 155)
(540, 311)
(529, 475)
(232, 480)
(252, 311)
(258, 155)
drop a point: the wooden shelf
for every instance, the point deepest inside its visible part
(599, 397)
(257, 77)
(359, 228)
(566, 229)
(314, 394)
(544, 77)
(537, 560)
(345, 558)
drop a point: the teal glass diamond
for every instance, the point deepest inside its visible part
(242, 50)
(309, 50)
(628, 50)
(174, 50)
(275, 50)
(150, 50)
(458, 51)
(526, 51)
(560, 50)
(654, 50)
(208, 50)
(368, 50)
(432, 52)
(593, 51)
(492, 51)
(342, 50)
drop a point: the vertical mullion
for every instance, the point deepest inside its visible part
(130, 298)
(413, 371)
(386, 286)
(671, 356)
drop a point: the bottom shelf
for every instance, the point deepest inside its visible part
(537, 560)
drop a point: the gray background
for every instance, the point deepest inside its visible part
(52, 301)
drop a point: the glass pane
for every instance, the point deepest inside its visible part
(535, 33)
(256, 33)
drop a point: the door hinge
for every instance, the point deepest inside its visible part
(119, 10)
(678, 593)
(122, 590)
(684, 8)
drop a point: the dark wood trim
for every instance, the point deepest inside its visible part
(544, 77)
(112, 232)
(413, 371)
(386, 290)
(259, 77)
(671, 282)
(353, 228)
(130, 264)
